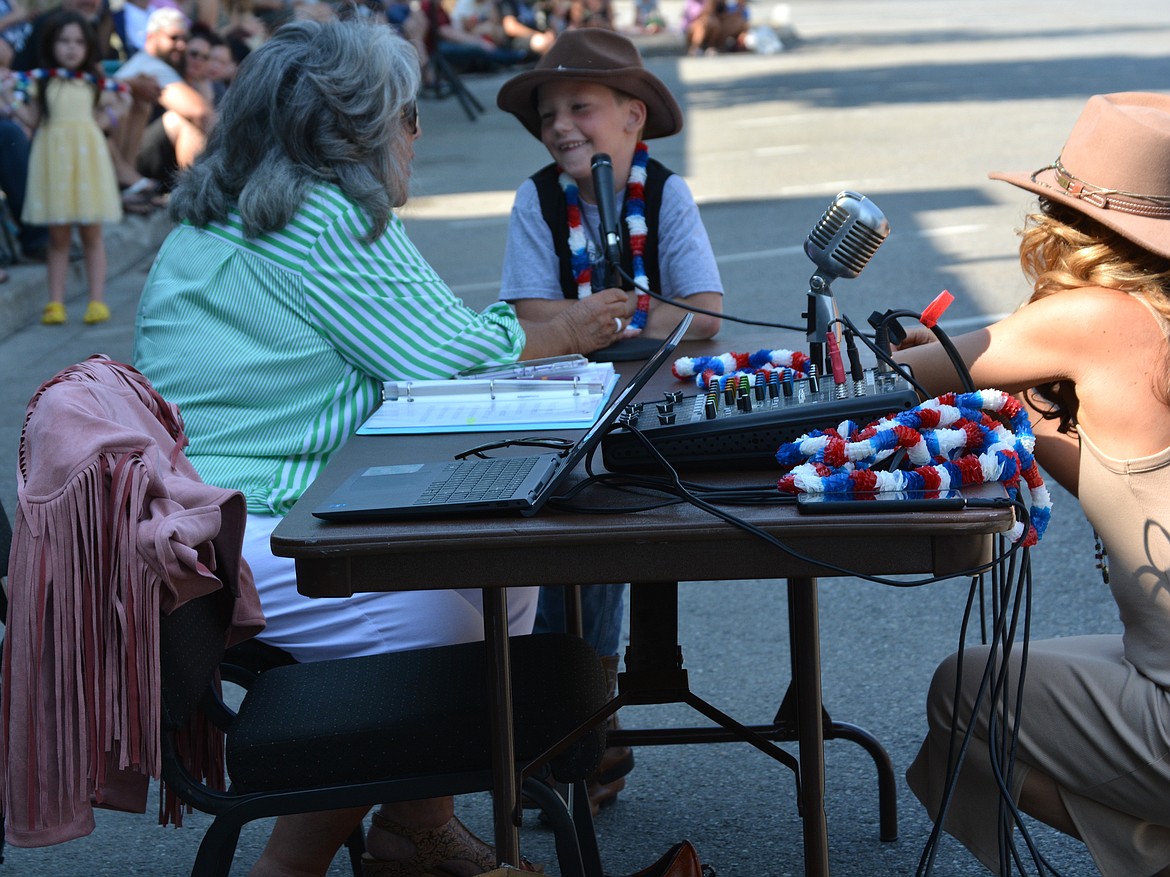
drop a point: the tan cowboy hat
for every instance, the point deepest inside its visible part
(594, 55)
(1114, 168)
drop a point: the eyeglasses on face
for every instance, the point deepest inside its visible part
(199, 56)
(409, 116)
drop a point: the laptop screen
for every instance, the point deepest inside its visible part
(617, 405)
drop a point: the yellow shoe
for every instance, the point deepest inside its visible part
(54, 314)
(96, 312)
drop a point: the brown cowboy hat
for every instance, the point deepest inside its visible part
(1114, 168)
(594, 55)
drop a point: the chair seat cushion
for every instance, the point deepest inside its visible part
(413, 713)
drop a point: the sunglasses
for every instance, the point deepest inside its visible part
(409, 116)
(199, 56)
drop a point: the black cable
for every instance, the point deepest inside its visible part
(682, 491)
(955, 759)
(1009, 588)
(697, 310)
(1011, 594)
(953, 354)
(885, 358)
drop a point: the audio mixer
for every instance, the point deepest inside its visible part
(743, 423)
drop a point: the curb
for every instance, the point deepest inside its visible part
(664, 43)
(128, 242)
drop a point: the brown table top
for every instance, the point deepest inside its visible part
(674, 543)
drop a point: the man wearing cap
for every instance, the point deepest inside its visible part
(1090, 354)
(166, 134)
(591, 94)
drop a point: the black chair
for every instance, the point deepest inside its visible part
(241, 664)
(368, 730)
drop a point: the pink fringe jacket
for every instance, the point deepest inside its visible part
(112, 526)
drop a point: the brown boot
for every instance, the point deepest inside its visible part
(610, 777)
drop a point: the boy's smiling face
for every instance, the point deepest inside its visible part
(579, 119)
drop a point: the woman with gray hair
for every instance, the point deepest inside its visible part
(286, 295)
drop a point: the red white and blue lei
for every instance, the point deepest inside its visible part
(709, 370)
(635, 210)
(24, 79)
(950, 441)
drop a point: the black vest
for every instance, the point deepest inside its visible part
(556, 215)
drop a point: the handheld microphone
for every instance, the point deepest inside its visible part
(611, 234)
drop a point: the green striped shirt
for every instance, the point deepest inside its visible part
(275, 348)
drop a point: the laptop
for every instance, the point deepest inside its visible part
(471, 487)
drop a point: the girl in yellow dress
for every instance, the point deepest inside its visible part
(71, 174)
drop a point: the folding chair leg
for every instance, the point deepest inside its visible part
(576, 844)
(217, 849)
(582, 813)
(356, 845)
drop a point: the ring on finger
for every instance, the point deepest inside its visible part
(617, 322)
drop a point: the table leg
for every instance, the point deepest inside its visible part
(806, 674)
(505, 793)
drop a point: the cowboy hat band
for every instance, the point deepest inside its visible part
(1110, 199)
(593, 55)
(1114, 168)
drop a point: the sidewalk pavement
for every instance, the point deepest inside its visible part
(128, 242)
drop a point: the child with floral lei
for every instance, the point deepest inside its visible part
(71, 178)
(591, 94)
(1089, 354)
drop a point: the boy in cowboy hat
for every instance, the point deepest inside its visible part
(1091, 354)
(592, 94)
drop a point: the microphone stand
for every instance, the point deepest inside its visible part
(821, 314)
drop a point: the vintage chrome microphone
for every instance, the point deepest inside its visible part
(840, 245)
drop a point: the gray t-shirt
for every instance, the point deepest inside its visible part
(685, 260)
(141, 62)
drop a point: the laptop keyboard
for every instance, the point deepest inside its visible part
(476, 480)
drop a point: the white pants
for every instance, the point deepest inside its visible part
(315, 629)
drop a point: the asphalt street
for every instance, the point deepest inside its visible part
(910, 102)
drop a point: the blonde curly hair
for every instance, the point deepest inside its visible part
(1061, 248)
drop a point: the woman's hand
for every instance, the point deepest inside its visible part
(599, 320)
(577, 327)
(916, 337)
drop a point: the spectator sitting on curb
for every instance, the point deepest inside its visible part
(473, 50)
(713, 26)
(162, 137)
(521, 25)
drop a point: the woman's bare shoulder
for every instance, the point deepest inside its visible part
(1089, 312)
